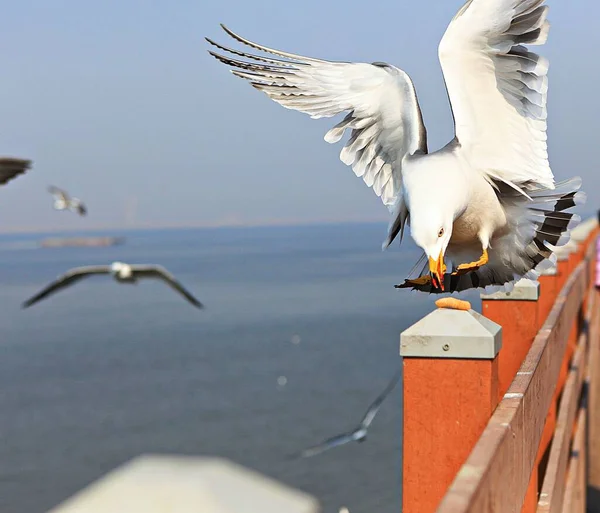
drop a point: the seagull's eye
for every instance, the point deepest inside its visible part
(441, 232)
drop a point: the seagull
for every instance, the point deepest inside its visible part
(487, 202)
(11, 167)
(359, 434)
(121, 272)
(62, 201)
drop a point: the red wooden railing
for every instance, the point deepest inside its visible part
(515, 429)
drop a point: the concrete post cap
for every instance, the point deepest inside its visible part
(523, 290)
(446, 333)
(562, 252)
(179, 484)
(583, 229)
(550, 271)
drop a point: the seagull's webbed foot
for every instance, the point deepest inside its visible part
(472, 266)
(421, 281)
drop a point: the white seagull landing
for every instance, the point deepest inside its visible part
(11, 167)
(487, 201)
(62, 201)
(359, 434)
(122, 273)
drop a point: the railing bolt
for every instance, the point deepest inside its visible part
(446, 347)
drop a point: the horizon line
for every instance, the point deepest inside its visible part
(30, 230)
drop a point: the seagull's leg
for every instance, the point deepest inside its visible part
(472, 266)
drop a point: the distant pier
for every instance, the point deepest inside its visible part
(61, 242)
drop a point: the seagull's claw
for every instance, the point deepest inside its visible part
(472, 266)
(421, 281)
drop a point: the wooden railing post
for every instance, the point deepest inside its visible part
(450, 391)
(518, 313)
(564, 264)
(521, 315)
(548, 281)
(594, 394)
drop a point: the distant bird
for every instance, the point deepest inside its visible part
(11, 167)
(62, 201)
(359, 434)
(122, 273)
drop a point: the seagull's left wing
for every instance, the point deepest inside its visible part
(58, 193)
(383, 111)
(156, 271)
(11, 167)
(498, 88)
(374, 408)
(330, 443)
(79, 206)
(69, 278)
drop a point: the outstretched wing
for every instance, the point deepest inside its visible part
(330, 443)
(78, 206)
(69, 278)
(11, 167)
(498, 88)
(59, 193)
(374, 408)
(383, 111)
(156, 271)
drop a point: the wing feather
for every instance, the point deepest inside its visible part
(65, 280)
(11, 167)
(156, 271)
(498, 88)
(383, 114)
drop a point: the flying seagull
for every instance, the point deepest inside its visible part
(487, 201)
(62, 201)
(122, 273)
(359, 434)
(11, 167)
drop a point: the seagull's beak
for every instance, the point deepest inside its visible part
(437, 268)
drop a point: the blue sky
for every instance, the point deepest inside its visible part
(119, 102)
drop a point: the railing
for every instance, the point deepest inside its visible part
(502, 412)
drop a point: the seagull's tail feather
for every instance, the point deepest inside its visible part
(550, 217)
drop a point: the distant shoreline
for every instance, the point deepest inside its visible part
(208, 226)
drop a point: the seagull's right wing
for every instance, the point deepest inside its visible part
(374, 408)
(77, 205)
(330, 443)
(69, 278)
(59, 193)
(11, 167)
(498, 89)
(383, 112)
(157, 271)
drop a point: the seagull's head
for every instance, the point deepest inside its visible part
(432, 232)
(116, 267)
(121, 270)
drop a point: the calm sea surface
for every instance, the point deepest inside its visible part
(101, 373)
